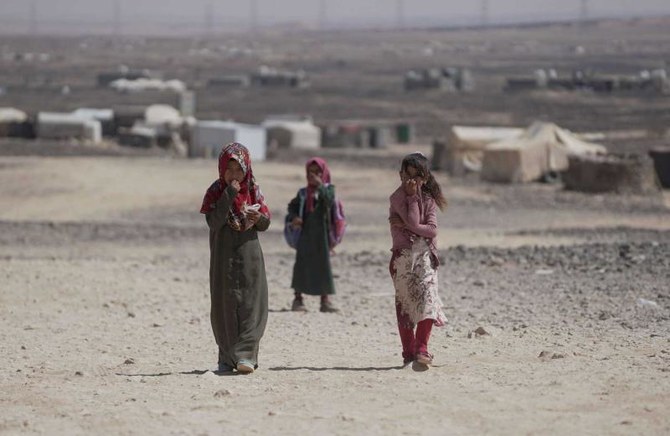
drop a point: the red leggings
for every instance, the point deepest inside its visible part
(413, 343)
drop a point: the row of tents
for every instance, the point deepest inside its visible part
(544, 151)
(510, 155)
(655, 81)
(164, 126)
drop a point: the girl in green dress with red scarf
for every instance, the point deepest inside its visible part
(316, 210)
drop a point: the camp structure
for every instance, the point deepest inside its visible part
(272, 77)
(364, 133)
(614, 173)
(463, 149)
(162, 115)
(139, 136)
(288, 132)
(15, 123)
(445, 79)
(54, 125)
(542, 149)
(142, 85)
(105, 78)
(661, 157)
(229, 81)
(208, 137)
(105, 116)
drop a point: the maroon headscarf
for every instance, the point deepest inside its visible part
(249, 194)
(325, 178)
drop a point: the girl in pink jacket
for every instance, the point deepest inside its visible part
(414, 262)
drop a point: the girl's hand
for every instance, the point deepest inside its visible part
(253, 216)
(411, 187)
(296, 222)
(314, 180)
(396, 221)
(236, 185)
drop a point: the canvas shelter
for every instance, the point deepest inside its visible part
(464, 148)
(105, 116)
(286, 133)
(12, 122)
(12, 115)
(142, 85)
(539, 150)
(162, 115)
(54, 125)
(208, 137)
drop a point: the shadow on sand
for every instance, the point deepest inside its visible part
(335, 368)
(162, 374)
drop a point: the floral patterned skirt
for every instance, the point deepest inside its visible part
(415, 281)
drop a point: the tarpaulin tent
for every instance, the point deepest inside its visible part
(464, 148)
(293, 134)
(541, 149)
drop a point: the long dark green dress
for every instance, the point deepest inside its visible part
(238, 285)
(312, 273)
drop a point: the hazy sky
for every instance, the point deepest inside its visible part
(339, 12)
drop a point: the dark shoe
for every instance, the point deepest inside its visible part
(298, 305)
(407, 360)
(327, 307)
(224, 367)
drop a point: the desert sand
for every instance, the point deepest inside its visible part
(104, 310)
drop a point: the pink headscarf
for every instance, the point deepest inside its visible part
(250, 192)
(325, 178)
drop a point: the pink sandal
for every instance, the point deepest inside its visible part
(424, 358)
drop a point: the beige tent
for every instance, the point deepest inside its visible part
(465, 145)
(11, 115)
(292, 134)
(542, 148)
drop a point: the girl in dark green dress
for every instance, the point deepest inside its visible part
(316, 210)
(235, 211)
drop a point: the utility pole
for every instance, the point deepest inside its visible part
(323, 14)
(584, 11)
(33, 23)
(209, 19)
(253, 15)
(484, 19)
(117, 18)
(400, 14)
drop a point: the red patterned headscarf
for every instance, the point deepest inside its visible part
(249, 194)
(325, 178)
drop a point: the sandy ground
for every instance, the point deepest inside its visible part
(104, 317)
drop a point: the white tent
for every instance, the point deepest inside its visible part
(464, 149)
(542, 148)
(209, 137)
(293, 134)
(140, 85)
(102, 115)
(53, 125)
(162, 115)
(11, 115)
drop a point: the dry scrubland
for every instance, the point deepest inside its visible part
(103, 260)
